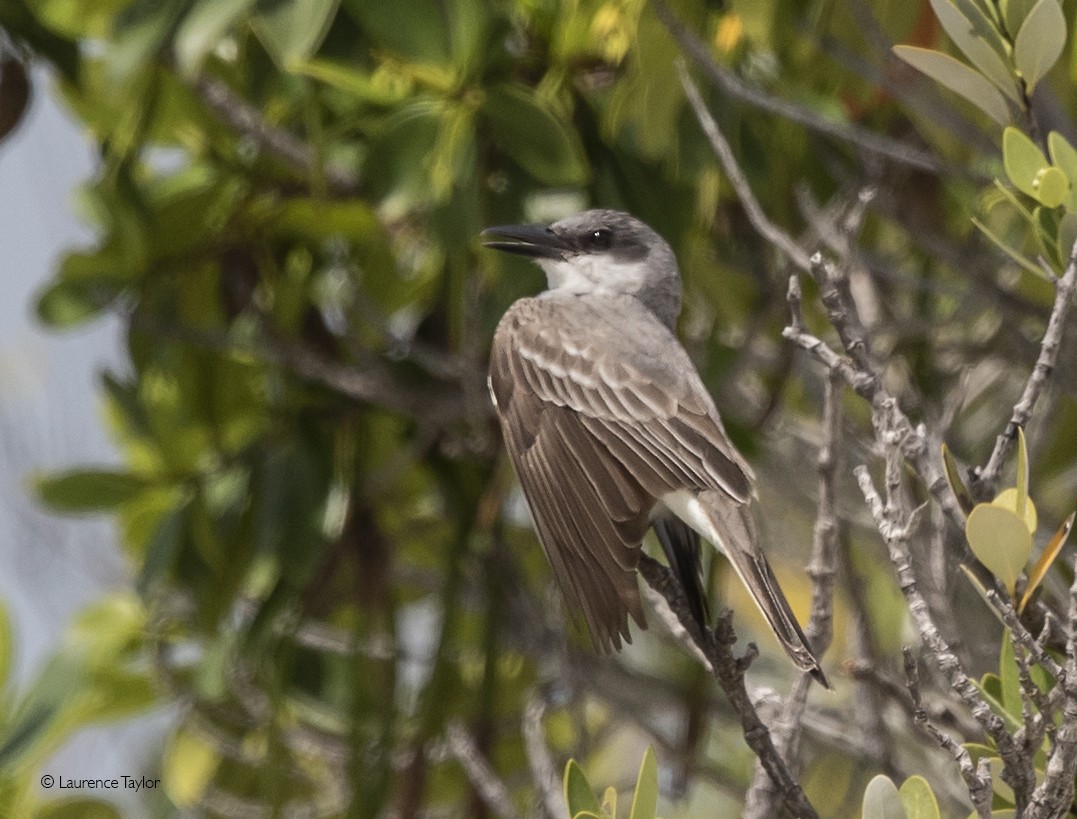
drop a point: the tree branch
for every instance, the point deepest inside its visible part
(248, 121)
(493, 792)
(986, 480)
(767, 229)
(895, 523)
(728, 670)
(978, 784)
(731, 84)
(1054, 795)
(763, 795)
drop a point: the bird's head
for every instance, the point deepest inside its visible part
(599, 251)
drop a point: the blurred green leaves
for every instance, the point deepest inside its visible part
(90, 490)
(327, 579)
(97, 676)
(292, 32)
(533, 135)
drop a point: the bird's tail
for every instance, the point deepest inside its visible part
(736, 536)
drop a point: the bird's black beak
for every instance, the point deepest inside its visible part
(536, 241)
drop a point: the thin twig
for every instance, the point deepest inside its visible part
(493, 792)
(979, 787)
(986, 479)
(695, 48)
(231, 109)
(538, 759)
(762, 798)
(895, 523)
(767, 229)
(1054, 795)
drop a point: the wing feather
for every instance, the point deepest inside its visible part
(603, 414)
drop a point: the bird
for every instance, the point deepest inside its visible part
(612, 432)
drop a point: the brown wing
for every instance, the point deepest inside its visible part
(603, 413)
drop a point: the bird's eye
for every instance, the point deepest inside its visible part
(599, 239)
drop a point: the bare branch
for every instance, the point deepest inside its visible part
(987, 478)
(493, 792)
(762, 798)
(728, 670)
(248, 121)
(767, 229)
(735, 87)
(979, 787)
(1055, 794)
(538, 759)
(895, 523)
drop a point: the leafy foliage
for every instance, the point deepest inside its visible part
(331, 561)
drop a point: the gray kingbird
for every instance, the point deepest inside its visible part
(611, 430)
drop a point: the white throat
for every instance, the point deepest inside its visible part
(589, 273)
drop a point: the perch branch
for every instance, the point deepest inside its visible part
(728, 670)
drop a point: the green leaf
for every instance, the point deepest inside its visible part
(609, 802)
(1067, 230)
(578, 793)
(292, 31)
(77, 19)
(187, 768)
(1040, 41)
(415, 29)
(1000, 540)
(1046, 560)
(645, 799)
(985, 23)
(1016, 256)
(957, 486)
(386, 88)
(90, 490)
(533, 135)
(203, 28)
(1052, 187)
(1010, 684)
(881, 800)
(1065, 157)
(1046, 224)
(1022, 160)
(142, 29)
(321, 219)
(1014, 13)
(918, 799)
(959, 78)
(1008, 498)
(164, 547)
(65, 303)
(976, 48)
